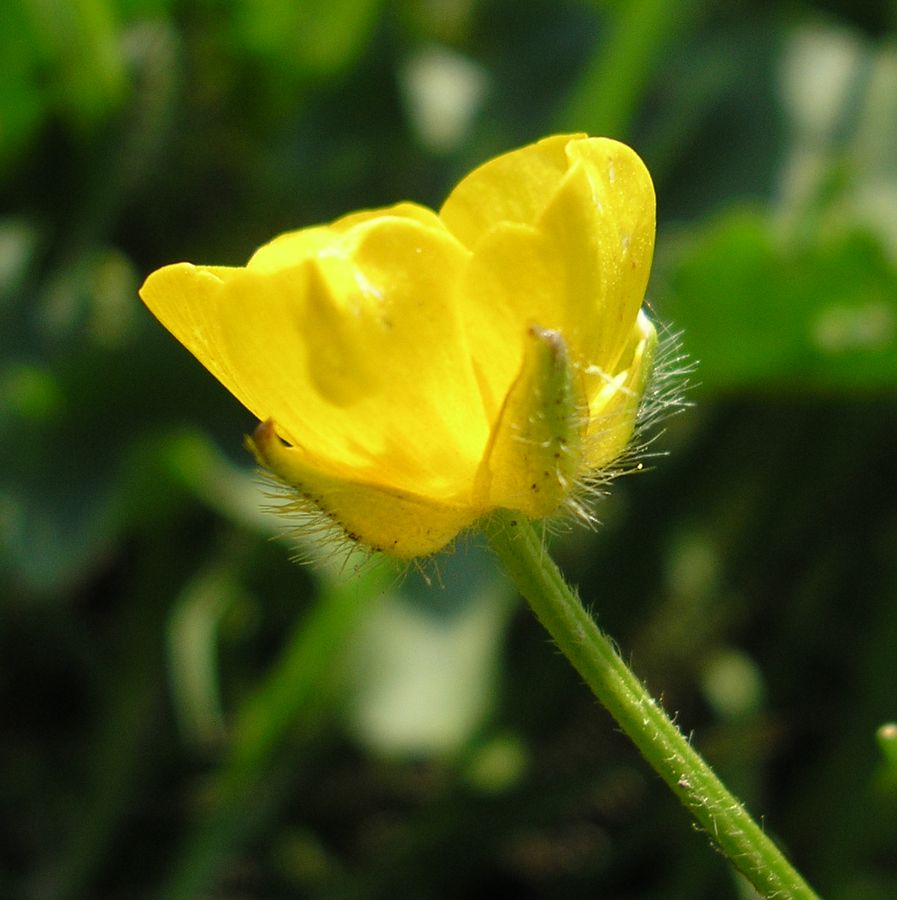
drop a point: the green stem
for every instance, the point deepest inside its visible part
(724, 818)
(609, 91)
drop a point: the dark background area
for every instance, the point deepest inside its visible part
(186, 713)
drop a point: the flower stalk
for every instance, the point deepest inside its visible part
(418, 371)
(720, 814)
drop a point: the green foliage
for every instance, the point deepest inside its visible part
(317, 38)
(187, 713)
(760, 312)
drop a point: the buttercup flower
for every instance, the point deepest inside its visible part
(415, 370)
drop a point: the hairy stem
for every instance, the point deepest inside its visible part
(721, 815)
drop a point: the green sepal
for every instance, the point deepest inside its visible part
(537, 445)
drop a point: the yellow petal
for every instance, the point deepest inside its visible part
(614, 401)
(509, 282)
(289, 250)
(406, 210)
(536, 453)
(399, 523)
(356, 350)
(513, 187)
(580, 267)
(600, 227)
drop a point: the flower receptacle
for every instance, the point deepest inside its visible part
(385, 520)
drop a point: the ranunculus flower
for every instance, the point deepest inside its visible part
(415, 370)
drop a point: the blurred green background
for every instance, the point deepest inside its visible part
(186, 713)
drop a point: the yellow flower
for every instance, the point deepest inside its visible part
(415, 370)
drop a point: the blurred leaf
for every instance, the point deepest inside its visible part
(76, 45)
(424, 678)
(612, 86)
(19, 241)
(760, 313)
(840, 94)
(315, 37)
(887, 743)
(443, 91)
(193, 648)
(22, 101)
